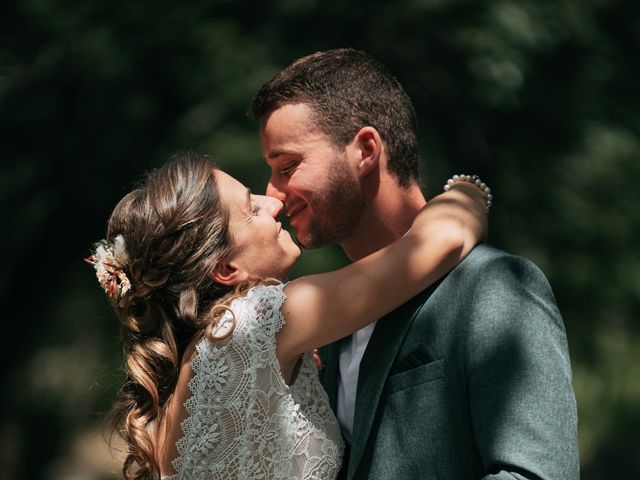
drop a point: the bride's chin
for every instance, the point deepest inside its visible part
(292, 263)
(295, 258)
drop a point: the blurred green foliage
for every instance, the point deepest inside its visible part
(539, 97)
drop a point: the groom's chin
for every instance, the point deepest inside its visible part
(306, 241)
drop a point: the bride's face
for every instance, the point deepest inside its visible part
(262, 248)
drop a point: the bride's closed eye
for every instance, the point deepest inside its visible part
(255, 209)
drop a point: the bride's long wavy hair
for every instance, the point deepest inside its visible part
(175, 231)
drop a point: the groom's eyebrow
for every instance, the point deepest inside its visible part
(278, 153)
(272, 155)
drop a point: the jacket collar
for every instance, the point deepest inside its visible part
(376, 363)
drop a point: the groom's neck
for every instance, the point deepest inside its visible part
(387, 216)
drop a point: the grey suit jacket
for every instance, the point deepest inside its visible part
(469, 380)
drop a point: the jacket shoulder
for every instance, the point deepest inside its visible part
(490, 264)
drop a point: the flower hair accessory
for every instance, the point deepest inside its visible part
(109, 260)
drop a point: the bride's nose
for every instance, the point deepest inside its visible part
(272, 205)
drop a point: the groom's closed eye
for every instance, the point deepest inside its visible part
(288, 169)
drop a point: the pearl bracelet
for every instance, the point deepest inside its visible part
(474, 179)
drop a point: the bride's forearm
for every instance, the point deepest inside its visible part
(325, 307)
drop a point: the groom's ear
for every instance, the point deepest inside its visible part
(368, 147)
(228, 273)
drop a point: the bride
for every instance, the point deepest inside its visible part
(220, 381)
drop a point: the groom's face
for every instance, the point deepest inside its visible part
(312, 177)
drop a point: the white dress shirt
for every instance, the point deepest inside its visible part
(351, 352)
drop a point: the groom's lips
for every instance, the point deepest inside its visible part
(292, 212)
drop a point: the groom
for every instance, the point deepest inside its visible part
(470, 379)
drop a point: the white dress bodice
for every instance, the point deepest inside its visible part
(243, 421)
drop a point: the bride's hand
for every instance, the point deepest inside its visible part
(462, 211)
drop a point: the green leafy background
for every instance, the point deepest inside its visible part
(539, 97)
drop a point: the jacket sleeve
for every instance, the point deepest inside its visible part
(522, 403)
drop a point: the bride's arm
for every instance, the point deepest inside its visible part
(325, 307)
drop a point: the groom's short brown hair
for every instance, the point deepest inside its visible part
(347, 89)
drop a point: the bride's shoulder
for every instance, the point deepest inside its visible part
(260, 298)
(256, 310)
(266, 290)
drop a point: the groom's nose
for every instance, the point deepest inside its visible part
(275, 192)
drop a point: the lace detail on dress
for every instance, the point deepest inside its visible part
(243, 421)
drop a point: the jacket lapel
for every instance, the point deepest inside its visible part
(377, 361)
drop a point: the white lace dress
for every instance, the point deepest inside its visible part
(243, 421)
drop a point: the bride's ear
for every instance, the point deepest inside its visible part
(228, 273)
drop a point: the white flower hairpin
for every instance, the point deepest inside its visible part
(109, 260)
